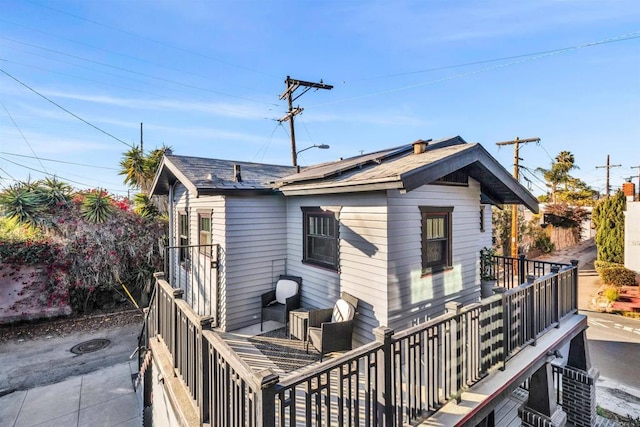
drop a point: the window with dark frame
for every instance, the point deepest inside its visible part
(436, 238)
(204, 228)
(320, 232)
(183, 235)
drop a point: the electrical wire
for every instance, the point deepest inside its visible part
(627, 36)
(266, 144)
(22, 134)
(56, 176)
(96, 48)
(59, 161)
(65, 110)
(115, 67)
(153, 40)
(523, 60)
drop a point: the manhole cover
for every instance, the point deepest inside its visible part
(89, 346)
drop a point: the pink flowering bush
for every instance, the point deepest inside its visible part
(94, 247)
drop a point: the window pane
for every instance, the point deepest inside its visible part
(320, 240)
(436, 240)
(436, 252)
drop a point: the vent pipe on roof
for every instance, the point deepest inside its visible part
(420, 146)
(236, 173)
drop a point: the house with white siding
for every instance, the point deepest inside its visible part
(400, 229)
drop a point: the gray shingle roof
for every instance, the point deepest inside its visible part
(395, 168)
(213, 176)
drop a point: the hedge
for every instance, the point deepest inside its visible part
(618, 276)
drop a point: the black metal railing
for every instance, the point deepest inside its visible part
(396, 380)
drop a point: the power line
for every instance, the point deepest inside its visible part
(94, 48)
(55, 176)
(65, 110)
(104, 64)
(23, 137)
(628, 36)
(8, 174)
(58, 161)
(516, 173)
(608, 166)
(155, 41)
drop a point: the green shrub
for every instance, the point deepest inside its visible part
(600, 265)
(611, 294)
(543, 243)
(608, 217)
(618, 276)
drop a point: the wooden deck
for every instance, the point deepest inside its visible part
(506, 412)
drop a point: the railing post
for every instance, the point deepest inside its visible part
(574, 297)
(499, 290)
(385, 399)
(175, 324)
(203, 372)
(266, 398)
(521, 270)
(555, 283)
(453, 307)
(156, 305)
(533, 309)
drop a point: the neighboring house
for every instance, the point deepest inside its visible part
(632, 236)
(401, 229)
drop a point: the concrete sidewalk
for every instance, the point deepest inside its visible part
(102, 398)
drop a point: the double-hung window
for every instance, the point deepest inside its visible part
(204, 228)
(436, 238)
(183, 235)
(320, 232)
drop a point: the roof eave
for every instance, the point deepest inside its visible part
(478, 156)
(170, 173)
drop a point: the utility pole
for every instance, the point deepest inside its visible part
(141, 146)
(637, 167)
(292, 85)
(608, 166)
(516, 174)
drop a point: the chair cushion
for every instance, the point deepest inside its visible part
(342, 311)
(285, 288)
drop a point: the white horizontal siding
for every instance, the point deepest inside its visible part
(255, 254)
(363, 257)
(412, 297)
(185, 202)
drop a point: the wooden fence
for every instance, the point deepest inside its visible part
(398, 379)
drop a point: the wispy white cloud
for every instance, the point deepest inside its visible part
(220, 109)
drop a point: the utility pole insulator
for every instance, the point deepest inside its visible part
(516, 174)
(292, 86)
(608, 166)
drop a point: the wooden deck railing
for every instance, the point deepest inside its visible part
(398, 379)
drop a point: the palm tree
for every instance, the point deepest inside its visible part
(134, 167)
(140, 170)
(565, 162)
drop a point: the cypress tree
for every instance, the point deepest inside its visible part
(608, 217)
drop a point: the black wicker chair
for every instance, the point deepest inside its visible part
(331, 329)
(277, 303)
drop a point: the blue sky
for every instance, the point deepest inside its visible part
(205, 76)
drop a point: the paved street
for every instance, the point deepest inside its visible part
(614, 345)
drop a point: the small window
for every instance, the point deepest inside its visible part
(482, 228)
(320, 231)
(436, 238)
(183, 236)
(204, 228)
